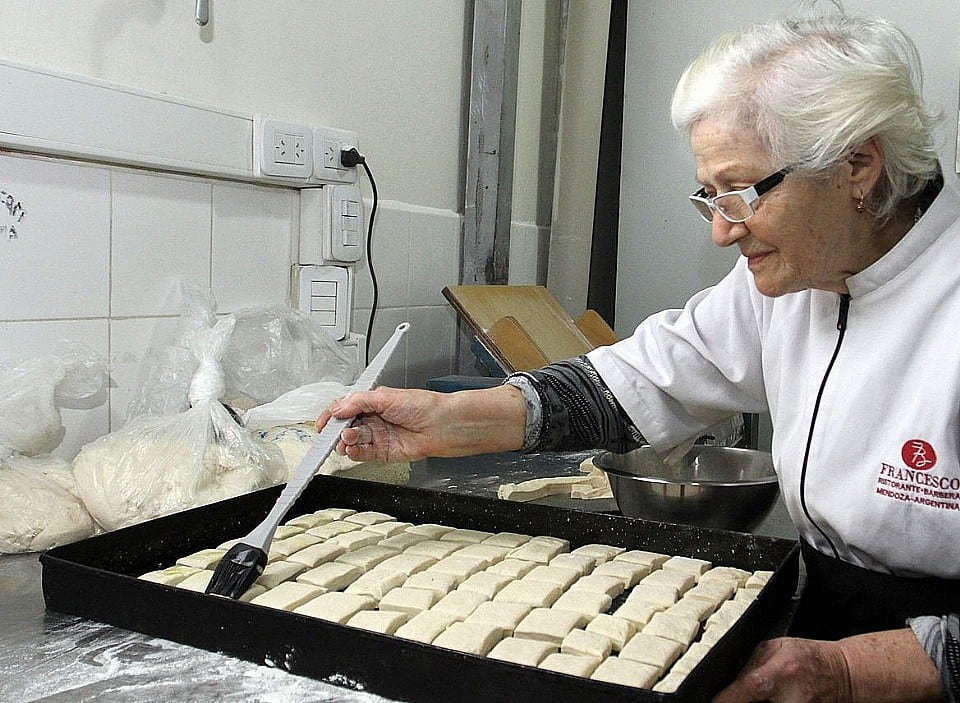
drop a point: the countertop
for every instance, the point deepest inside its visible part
(48, 656)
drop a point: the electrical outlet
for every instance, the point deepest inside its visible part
(327, 145)
(282, 149)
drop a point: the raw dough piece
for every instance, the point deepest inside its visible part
(557, 575)
(537, 594)
(637, 613)
(330, 514)
(630, 574)
(196, 582)
(691, 608)
(758, 579)
(514, 568)
(616, 629)
(549, 625)
(383, 622)
(328, 530)
(459, 603)
(725, 573)
(407, 564)
(473, 638)
(688, 565)
(506, 616)
(425, 626)
(727, 614)
(204, 559)
(490, 554)
(638, 556)
(316, 554)
(305, 522)
(693, 656)
(610, 585)
(669, 683)
(366, 557)
(288, 595)
(659, 597)
(507, 539)
(402, 540)
(600, 552)
(650, 649)
(286, 547)
(626, 672)
(522, 651)
(713, 592)
(586, 644)
(680, 580)
(332, 575)
(581, 563)
(356, 539)
(572, 664)
(485, 583)
(673, 627)
(376, 583)
(586, 603)
(746, 595)
(284, 531)
(430, 530)
(465, 536)
(369, 517)
(537, 488)
(336, 607)
(408, 600)
(172, 575)
(389, 528)
(435, 549)
(538, 550)
(279, 571)
(441, 584)
(460, 567)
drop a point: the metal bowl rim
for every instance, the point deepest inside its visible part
(691, 482)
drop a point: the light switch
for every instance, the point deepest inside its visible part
(324, 293)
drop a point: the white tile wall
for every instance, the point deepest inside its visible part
(101, 250)
(416, 252)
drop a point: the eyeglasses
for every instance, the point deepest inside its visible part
(735, 205)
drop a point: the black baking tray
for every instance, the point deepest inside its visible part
(96, 579)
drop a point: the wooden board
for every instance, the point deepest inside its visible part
(535, 311)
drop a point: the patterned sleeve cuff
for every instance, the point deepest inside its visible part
(534, 422)
(940, 639)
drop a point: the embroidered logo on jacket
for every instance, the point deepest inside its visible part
(914, 483)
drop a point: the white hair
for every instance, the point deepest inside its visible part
(812, 90)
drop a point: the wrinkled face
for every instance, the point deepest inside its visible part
(804, 233)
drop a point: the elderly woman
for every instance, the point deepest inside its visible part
(815, 157)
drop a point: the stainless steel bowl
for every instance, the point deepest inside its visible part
(719, 487)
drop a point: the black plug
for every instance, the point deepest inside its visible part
(351, 157)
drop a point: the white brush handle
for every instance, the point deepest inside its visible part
(262, 534)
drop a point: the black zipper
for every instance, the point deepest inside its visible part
(842, 327)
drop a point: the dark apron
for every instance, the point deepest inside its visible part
(840, 599)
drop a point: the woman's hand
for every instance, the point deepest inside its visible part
(406, 425)
(788, 670)
(874, 668)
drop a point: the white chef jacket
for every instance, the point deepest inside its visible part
(883, 477)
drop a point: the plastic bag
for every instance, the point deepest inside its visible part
(40, 509)
(32, 392)
(157, 465)
(276, 349)
(171, 368)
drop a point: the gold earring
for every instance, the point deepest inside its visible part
(861, 208)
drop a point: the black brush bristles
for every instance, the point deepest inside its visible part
(237, 570)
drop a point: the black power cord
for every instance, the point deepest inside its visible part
(350, 158)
